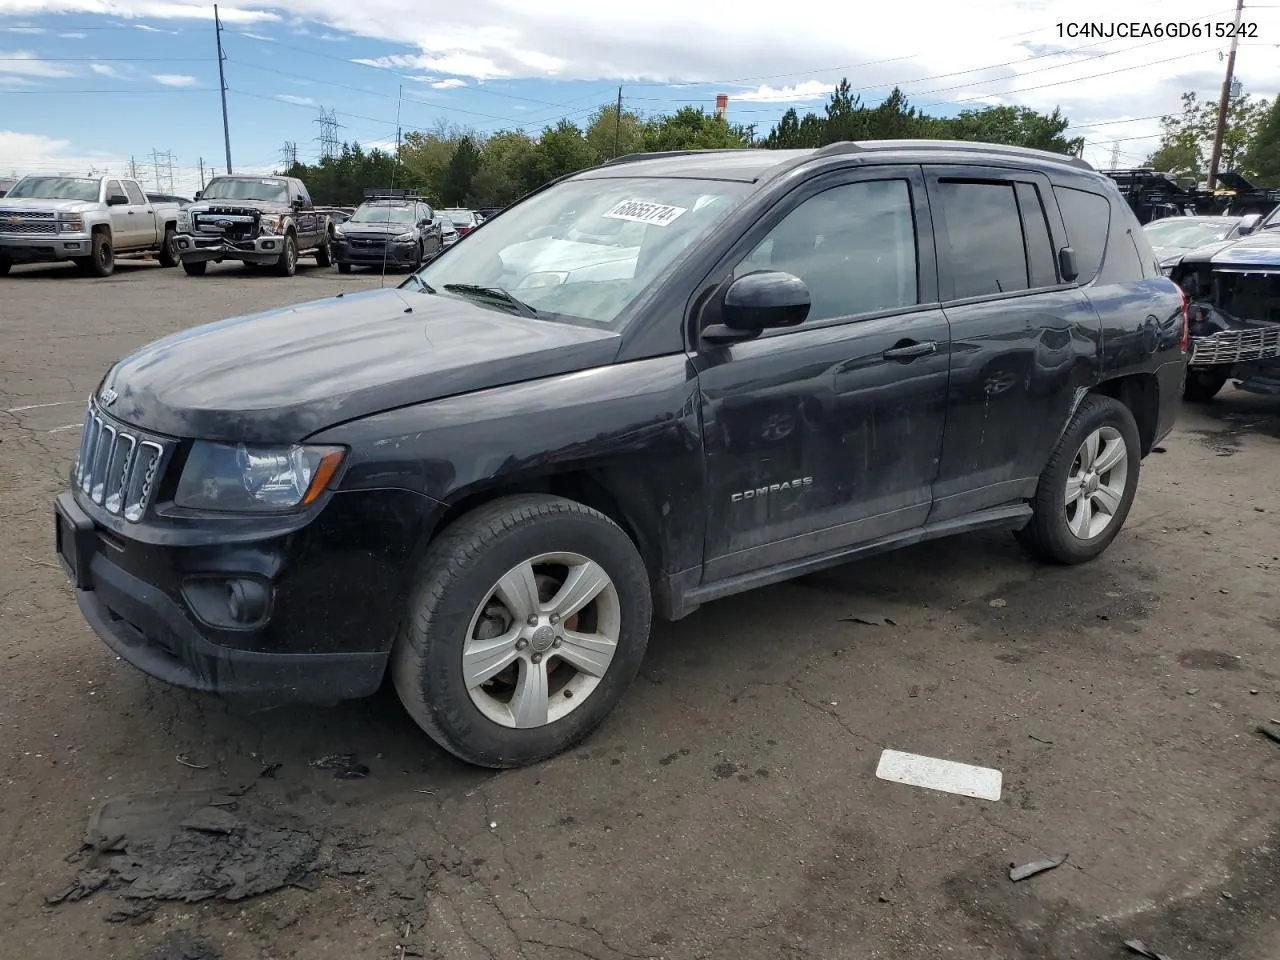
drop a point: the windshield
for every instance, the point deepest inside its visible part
(384, 213)
(1175, 232)
(56, 188)
(271, 191)
(1272, 219)
(584, 250)
(459, 217)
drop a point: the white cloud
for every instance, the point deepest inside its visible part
(174, 79)
(300, 101)
(72, 36)
(25, 64)
(795, 93)
(9, 80)
(22, 152)
(256, 36)
(32, 31)
(451, 83)
(146, 29)
(105, 70)
(953, 55)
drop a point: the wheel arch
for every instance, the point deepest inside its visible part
(1140, 392)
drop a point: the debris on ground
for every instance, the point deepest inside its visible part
(914, 770)
(134, 914)
(190, 845)
(998, 602)
(1140, 948)
(182, 759)
(1035, 866)
(870, 619)
(345, 766)
(1269, 733)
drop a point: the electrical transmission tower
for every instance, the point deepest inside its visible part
(163, 164)
(328, 138)
(289, 154)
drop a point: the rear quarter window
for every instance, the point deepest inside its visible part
(1087, 217)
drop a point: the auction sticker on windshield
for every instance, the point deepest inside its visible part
(657, 214)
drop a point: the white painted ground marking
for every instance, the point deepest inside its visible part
(41, 406)
(931, 773)
(66, 426)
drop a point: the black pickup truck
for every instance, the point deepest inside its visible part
(644, 387)
(260, 221)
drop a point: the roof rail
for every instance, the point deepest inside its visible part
(656, 154)
(847, 146)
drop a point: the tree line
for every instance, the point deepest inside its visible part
(454, 166)
(1250, 141)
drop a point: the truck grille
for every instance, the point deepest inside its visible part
(231, 226)
(117, 467)
(1237, 346)
(26, 225)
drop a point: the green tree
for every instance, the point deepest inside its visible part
(503, 164)
(455, 187)
(690, 128)
(612, 135)
(1186, 141)
(1016, 126)
(1263, 158)
(560, 150)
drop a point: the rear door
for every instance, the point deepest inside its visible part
(828, 434)
(142, 217)
(1023, 341)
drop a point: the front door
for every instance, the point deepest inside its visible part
(123, 217)
(829, 434)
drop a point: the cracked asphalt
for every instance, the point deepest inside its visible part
(729, 808)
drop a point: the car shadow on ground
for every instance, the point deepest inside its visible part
(1235, 415)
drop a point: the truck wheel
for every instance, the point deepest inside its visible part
(1203, 385)
(4, 267)
(287, 265)
(1088, 486)
(169, 248)
(344, 268)
(528, 620)
(195, 268)
(101, 261)
(324, 253)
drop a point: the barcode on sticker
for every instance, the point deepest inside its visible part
(639, 211)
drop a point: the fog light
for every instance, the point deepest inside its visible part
(246, 600)
(269, 245)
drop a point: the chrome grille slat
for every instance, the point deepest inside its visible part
(117, 466)
(1237, 346)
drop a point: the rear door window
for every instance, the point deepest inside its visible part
(984, 233)
(134, 194)
(1087, 217)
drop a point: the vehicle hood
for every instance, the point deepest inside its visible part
(261, 206)
(279, 376)
(1256, 250)
(1168, 254)
(350, 227)
(548, 253)
(25, 204)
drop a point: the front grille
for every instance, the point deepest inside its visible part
(25, 225)
(117, 467)
(232, 226)
(368, 243)
(1237, 346)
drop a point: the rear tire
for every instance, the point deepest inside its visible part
(324, 254)
(1203, 385)
(467, 596)
(195, 268)
(1088, 486)
(169, 248)
(5, 265)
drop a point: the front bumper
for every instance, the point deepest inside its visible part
(323, 634)
(26, 248)
(196, 249)
(396, 254)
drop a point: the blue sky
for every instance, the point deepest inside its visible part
(81, 89)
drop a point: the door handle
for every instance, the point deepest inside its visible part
(132, 212)
(910, 349)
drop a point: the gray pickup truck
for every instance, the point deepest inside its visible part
(84, 219)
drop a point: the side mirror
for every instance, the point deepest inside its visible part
(199, 194)
(1067, 265)
(759, 301)
(1246, 228)
(297, 203)
(117, 200)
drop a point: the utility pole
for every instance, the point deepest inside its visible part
(289, 154)
(617, 124)
(133, 169)
(1224, 102)
(1115, 154)
(202, 174)
(399, 101)
(222, 82)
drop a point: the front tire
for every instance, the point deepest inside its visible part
(101, 261)
(1088, 486)
(195, 268)
(344, 268)
(528, 621)
(287, 265)
(1203, 385)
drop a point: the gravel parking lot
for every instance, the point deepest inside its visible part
(729, 808)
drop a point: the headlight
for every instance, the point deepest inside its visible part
(548, 278)
(338, 233)
(270, 226)
(72, 224)
(403, 238)
(184, 222)
(238, 477)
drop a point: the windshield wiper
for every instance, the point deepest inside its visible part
(492, 293)
(426, 287)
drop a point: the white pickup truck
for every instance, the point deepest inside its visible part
(85, 219)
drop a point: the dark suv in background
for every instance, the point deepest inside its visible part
(390, 232)
(644, 387)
